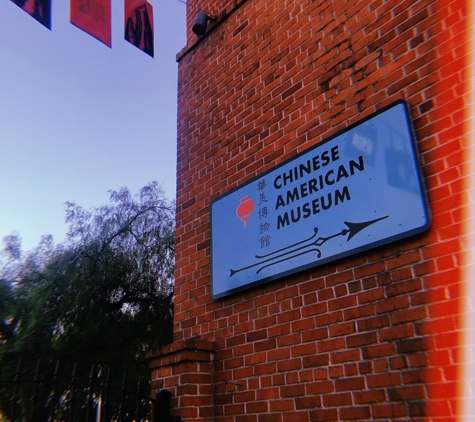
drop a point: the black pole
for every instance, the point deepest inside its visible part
(138, 401)
(72, 391)
(54, 391)
(16, 382)
(123, 397)
(90, 396)
(34, 397)
(162, 406)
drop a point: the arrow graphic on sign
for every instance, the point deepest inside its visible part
(308, 245)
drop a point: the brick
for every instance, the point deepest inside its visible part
(367, 397)
(355, 412)
(405, 287)
(308, 402)
(261, 369)
(359, 312)
(377, 351)
(345, 356)
(336, 371)
(398, 410)
(351, 370)
(421, 376)
(359, 340)
(289, 340)
(332, 344)
(328, 318)
(304, 350)
(339, 277)
(368, 324)
(265, 345)
(342, 303)
(398, 332)
(350, 384)
(342, 329)
(407, 393)
(370, 296)
(324, 415)
(413, 345)
(409, 315)
(340, 399)
(315, 361)
(315, 334)
(252, 336)
(292, 391)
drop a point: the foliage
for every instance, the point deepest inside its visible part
(104, 297)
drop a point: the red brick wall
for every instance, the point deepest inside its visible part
(372, 337)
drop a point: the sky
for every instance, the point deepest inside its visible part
(78, 118)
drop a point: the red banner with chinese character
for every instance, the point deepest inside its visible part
(39, 9)
(93, 17)
(138, 22)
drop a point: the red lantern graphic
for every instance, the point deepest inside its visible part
(244, 209)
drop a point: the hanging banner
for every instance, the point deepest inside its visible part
(357, 190)
(39, 9)
(138, 24)
(93, 17)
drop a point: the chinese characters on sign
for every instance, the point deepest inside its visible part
(264, 225)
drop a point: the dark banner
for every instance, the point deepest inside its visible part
(138, 24)
(93, 17)
(39, 9)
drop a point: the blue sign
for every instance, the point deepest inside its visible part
(359, 189)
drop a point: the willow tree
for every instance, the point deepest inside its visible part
(103, 297)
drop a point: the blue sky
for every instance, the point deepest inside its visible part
(78, 118)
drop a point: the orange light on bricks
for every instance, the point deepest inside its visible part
(467, 368)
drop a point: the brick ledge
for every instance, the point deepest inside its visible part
(185, 350)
